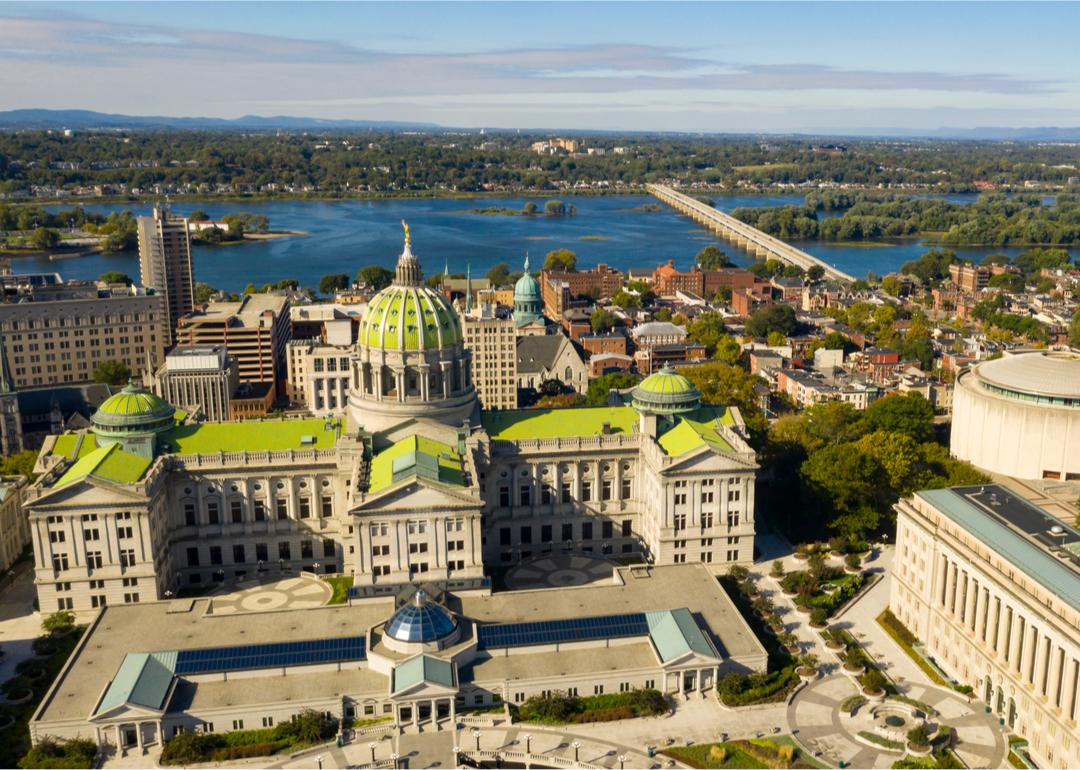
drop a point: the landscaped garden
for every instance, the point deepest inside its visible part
(33, 678)
(340, 587)
(559, 708)
(821, 589)
(753, 753)
(308, 728)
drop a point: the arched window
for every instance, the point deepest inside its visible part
(568, 376)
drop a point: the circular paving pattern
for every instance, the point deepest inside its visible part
(558, 571)
(271, 594)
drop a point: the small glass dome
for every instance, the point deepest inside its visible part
(421, 621)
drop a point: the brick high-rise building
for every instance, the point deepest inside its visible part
(165, 263)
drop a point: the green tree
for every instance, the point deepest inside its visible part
(555, 208)
(624, 299)
(529, 209)
(114, 276)
(58, 622)
(602, 320)
(1074, 330)
(198, 215)
(561, 260)
(769, 318)
(847, 487)
(707, 329)
(112, 372)
(19, 464)
(44, 238)
(910, 414)
(891, 285)
(599, 388)
(711, 258)
(728, 385)
(328, 284)
(499, 275)
(52, 753)
(775, 339)
(375, 277)
(728, 350)
(815, 273)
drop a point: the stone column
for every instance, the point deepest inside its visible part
(120, 741)
(1042, 665)
(1053, 680)
(950, 585)
(1015, 641)
(1031, 637)
(982, 599)
(1072, 668)
(999, 627)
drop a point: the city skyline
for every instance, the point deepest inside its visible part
(772, 67)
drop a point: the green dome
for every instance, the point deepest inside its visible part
(409, 318)
(526, 289)
(133, 406)
(666, 392)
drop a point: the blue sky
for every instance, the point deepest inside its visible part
(761, 66)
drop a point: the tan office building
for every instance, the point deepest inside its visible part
(254, 331)
(199, 380)
(991, 584)
(165, 262)
(491, 336)
(58, 337)
(14, 525)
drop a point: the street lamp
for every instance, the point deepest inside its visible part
(576, 746)
(528, 743)
(394, 759)
(318, 760)
(316, 565)
(372, 746)
(476, 734)
(168, 594)
(622, 761)
(457, 755)
(281, 564)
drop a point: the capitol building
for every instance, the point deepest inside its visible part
(419, 496)
(417, 483)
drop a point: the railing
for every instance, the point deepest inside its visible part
(563, 443)
(526, 759)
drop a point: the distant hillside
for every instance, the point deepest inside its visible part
(88, 119)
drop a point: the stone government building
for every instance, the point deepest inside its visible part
(420, 485)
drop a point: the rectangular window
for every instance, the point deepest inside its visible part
(605, 489)
(545, 533)
(525, 495)
(131, 598)
(260, 552)
(626, 489)
(328, 549)
(260, 510)
(189, 514)
(215, 554)
(267, 721)
(526, 534)
(282, 507)
(327, 504)
(127, 557)
(284, 551)
(545, 494)
(504, 536)
(586, 491)
(504, 497)
(627, 528)
(564, 492)
(193, 557)
(305, 549)
(212, 513)
(238, 554)
(236, 509)
(567, 532)
(305, 507)
(586, 530)
(238, 724)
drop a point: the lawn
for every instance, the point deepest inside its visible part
(780, 752)
(340, 586)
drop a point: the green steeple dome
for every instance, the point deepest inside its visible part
(527, 302)
(666, 392)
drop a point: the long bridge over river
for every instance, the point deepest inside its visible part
(741, 234)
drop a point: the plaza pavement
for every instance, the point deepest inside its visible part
(20, 623)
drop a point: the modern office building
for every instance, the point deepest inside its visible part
(427, 487)
(991, 585)
(165, 263)
(200, 380)
(58, 334)
(254, 331)
(1019, 415)
(142, 673)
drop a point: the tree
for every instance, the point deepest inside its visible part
(114, 276)
(775, 339)
(44, 238)
(561, 260)
(58, 622)
(529, 209)
(728, 385)
(815, 273)
(1074, 330)
(901, 458)
(728, 350)
(910, 414)
(848, 487)
(112, 372)
(19, 464)
(597, 394)
(198, 215)
(499, 275)
(602, 320)
(768, 318)
(891, 285)
(50, 752)
(328, 284)
(711, 258)
(375, 277)
(624, 299)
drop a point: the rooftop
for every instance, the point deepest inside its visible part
(110, 463)
(696, 429)
(1042, 372)
(245, 312)
(412, 457)
(558, 423)
(1029, 538)
(250, 436)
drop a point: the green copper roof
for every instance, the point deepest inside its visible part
(675, 633)
(409, 318)
(697, 429)
(666, 391)
(249, 436)
(134, 401)
(526, 289)
(74, 446)
(517, 424)
(422, 668)
(110, 463)
(143, 679)
(1040, 564)
(415, 457)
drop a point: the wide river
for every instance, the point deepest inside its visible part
(343, 236)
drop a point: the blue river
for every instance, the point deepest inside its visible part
(344, 235)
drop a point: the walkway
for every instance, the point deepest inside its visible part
(272, 594)
(20, 623)
(559, 571)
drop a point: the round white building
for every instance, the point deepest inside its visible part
(1019, 415)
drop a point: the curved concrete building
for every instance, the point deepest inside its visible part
(1019, 415)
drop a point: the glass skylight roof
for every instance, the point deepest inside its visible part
(254, 656)
(558, 631)
(420, 621)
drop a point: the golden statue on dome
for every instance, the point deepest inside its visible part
(408, 238)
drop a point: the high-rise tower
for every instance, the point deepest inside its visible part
(165, 263)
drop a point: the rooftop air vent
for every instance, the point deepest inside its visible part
(1057, 529)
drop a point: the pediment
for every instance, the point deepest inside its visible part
(417, 494)
(702, 459)
(425, 689)
(690, 660)
(90, 491)
(126, 711)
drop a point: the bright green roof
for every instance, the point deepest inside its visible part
(74, 445)
(422, 668)
(696, 429)
(409, 318)
(413, 457)
(675, 633)
(666, 392)
(667, 382)
(1040, 564)
(248, 436)
(558, 423)
(143, 679)
(110, 463)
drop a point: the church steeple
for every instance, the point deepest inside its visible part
(408, 271)
(7, 385)
(468, 288)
